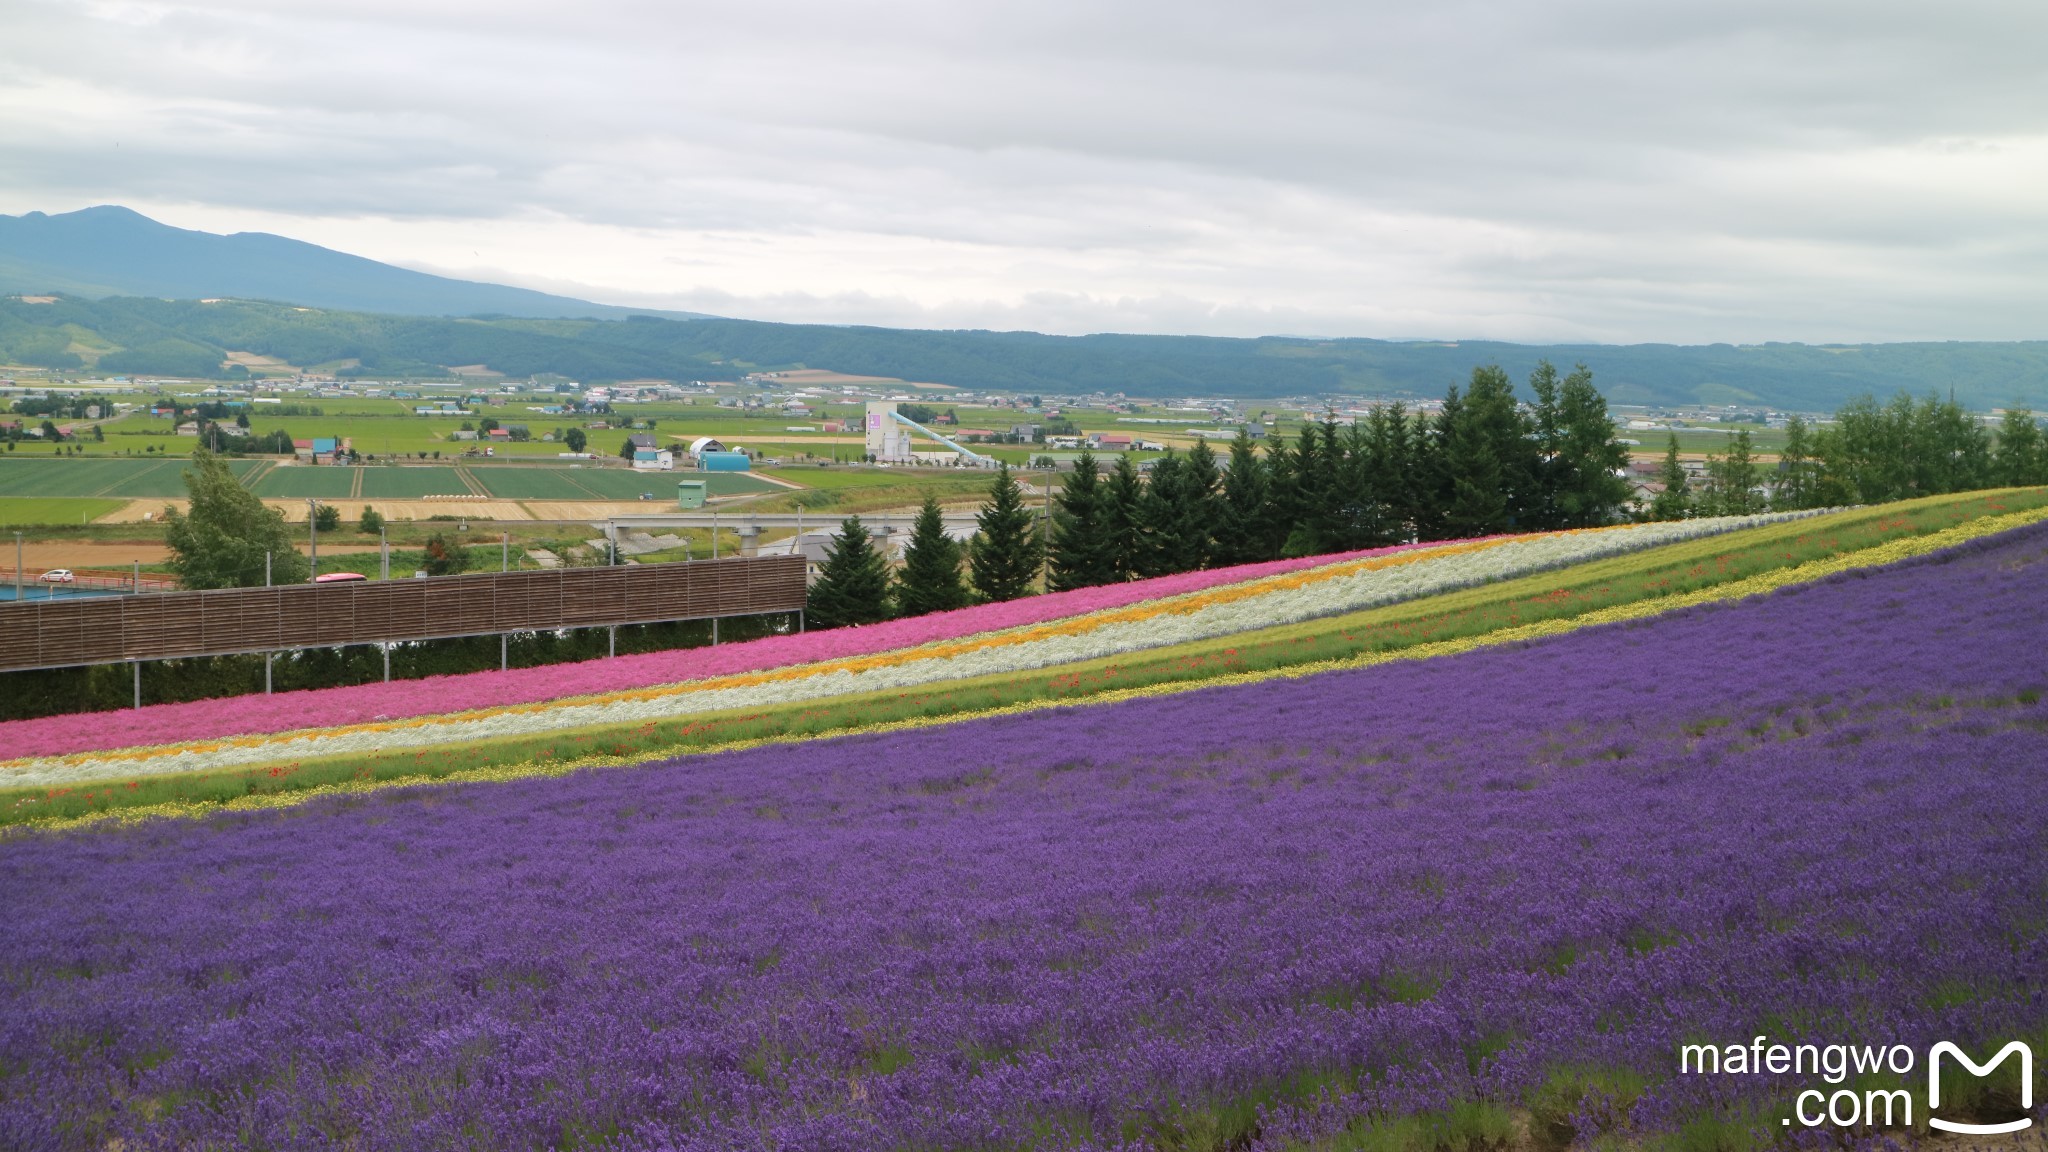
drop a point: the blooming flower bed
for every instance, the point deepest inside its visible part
(1326, 590)
(1257, 914)
(364, 703)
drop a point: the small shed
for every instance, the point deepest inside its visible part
(691, 493)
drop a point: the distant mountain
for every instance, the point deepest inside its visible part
(131, 297)
(151, 336)
(113, 251)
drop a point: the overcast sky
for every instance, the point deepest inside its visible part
(1608, 170)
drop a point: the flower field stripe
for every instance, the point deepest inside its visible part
(1878, 556)
(367, 703)
(1300, 596)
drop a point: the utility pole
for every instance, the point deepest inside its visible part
(17, 567)
(505, 548)
(796, 546)
(384, 552)
(313, 534)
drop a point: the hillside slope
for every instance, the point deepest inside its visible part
(113, 251)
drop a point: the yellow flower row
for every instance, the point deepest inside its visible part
(1760, 584)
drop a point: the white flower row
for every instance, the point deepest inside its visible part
(1194, 616)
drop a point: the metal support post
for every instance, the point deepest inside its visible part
(137, 665)
(799, 620)
(313, 536)
(135, 581)
(505, 546)
(614, 649)
(17, 567)
(714, 631)
(504, 651)
(714, 535)
(384, 550)
(268, 659)
(387, 662)
(266, 569)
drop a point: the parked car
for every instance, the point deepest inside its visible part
(57, 576)
(339, 578)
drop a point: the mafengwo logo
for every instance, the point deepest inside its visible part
(1871, 1107)
(1945, 1048)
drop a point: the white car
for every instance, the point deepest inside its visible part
(57, 576)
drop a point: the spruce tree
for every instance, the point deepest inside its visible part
(1158, 519)
(1675, 501)
(2022, 460)
(1245, 506)
(1732, 480)
(1795, 488)
(1472, 479)
(1083, 553)
(1586, 457)
(1123, 500)
(1006, 549)
(853, 587)
(930, 580)
(223, 540)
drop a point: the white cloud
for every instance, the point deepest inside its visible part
(1570, 170)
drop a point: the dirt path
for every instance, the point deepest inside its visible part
(39, 557)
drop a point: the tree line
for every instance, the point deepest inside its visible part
(1484, 463)
(1870, 454)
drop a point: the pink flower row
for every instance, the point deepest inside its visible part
(327, 707)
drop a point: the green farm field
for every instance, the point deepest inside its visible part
(411, 483)
(121, 478)
(25, 511)
(299, 482)
(624, 484)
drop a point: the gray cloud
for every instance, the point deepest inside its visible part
(1592, 169)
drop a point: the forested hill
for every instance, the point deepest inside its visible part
(114, 251)
(193, 338)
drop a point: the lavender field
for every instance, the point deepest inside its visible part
(1381, 909)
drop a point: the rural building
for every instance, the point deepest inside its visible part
(654, 459)
(703, 444)
(640, 440)
(724, 462)
(1111, 441)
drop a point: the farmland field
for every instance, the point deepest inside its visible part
(298, 481)
(410, 483)
(625, 484)
(532, 483)
(123, 477)
(24, 510)
(1410, 908)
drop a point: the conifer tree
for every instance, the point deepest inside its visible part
(930, 580)
(1242, 531)
(1083, 554)
(853, 587)
(1157, 519)
(1579, 478)
(1795, 489)
(1472, 479)
(1675, 501)
(1732, 480)
(1006, 550)
(1123, 499)
(2022, 459)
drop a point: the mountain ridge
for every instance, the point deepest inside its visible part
(108, 250)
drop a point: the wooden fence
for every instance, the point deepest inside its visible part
(107, 629)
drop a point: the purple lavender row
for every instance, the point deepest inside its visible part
(1377, 893)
